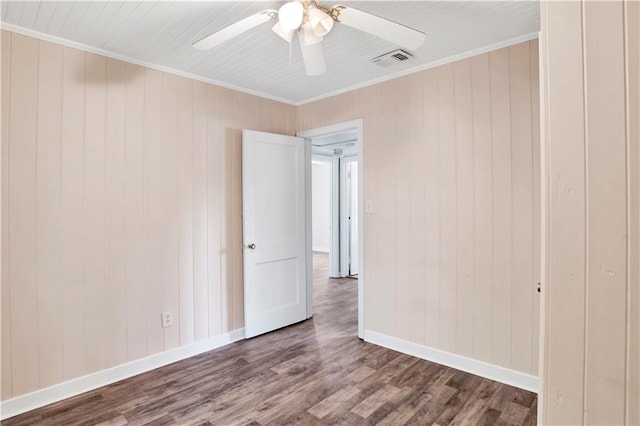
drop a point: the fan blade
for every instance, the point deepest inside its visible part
(391, 31)
(233, 30)
(313, 58)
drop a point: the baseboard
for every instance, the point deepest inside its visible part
(320, 249)
(23, 403)
(459, 362)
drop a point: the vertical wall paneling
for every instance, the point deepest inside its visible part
(240, 121)
(402, 156)
(152, 166)
(50, 330)
(214, 207)
(591, 53)
(120, 200)
(502, 208)
(200, 285)
(464, 207)
(386, 196)
(22, 212)
(605, 133)
(451, 171)
(185, 209)
(148, 212)
(5, 354)
(373, 126)
(71, 199)
(536, 197)
(226, 235)
(521, 206)
(567, 207)
(483, 208)
(259, 108)
(273, 119)
(114, 170)
(545, 221)
(431, 120)
(632, 43)
(448, 209)
(134, 214)
(170, 270)
(93, 212)
(417, 255)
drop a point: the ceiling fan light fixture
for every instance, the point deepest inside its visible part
(290, 15)
(320, 22)
(307, 35)
(313, 58)
(285, 34)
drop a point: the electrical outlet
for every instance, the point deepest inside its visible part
(167, 319)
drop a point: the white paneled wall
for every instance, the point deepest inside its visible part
(592, 100)
(452, 249)
(120, 200)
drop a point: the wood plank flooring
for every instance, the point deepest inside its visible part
(313, 373)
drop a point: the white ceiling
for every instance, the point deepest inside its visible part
(345, 141)
(160, 34)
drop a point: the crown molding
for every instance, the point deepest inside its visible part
(129, 59)
(86, 48)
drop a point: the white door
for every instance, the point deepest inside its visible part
(274, 231)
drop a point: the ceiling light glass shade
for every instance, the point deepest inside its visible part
(290, 15)
(320, 22)
(307, 36)
(286, 35)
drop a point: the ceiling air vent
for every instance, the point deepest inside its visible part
(392, 58)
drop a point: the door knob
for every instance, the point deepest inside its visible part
(252, 246)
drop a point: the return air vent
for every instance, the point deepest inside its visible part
(392, 58)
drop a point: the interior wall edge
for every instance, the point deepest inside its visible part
(30, 401)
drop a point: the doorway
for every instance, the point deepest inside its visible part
(335, 180)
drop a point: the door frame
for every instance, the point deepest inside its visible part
(351, 125)
(344, 208)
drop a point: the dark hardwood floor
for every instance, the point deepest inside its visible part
(314, 372)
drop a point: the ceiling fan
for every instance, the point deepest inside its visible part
(312, 22)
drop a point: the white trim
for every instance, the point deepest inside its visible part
(308, 217)
(459, 362)
(334, 204)
(545, 199)
(27, 402)
(343, 222)
(320, 249)
(131, 60)
(103, 52)
(429, 65)
(358, 125)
